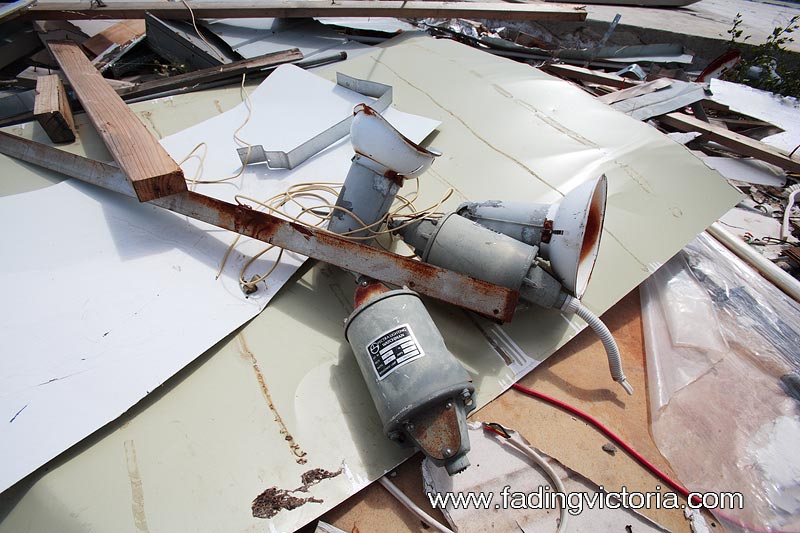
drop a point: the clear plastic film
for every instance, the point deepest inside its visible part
(723, 368)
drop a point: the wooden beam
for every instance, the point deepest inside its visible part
(51, 109)
(592, 76)
(257, 67)
(633, 92)
(311, 8)
(734, 141)
(446, 285)
(120, 34)
(230, 70)
(149, 168)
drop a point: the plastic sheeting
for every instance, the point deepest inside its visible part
(723, 370)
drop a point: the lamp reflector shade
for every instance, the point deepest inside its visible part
(575, 241)
(374, 138)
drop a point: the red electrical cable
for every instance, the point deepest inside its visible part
(677, 487)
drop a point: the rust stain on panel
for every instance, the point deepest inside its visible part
(295, 448)
(366, 293)
(137, 491)
(275, 499)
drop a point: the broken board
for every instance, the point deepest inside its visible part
(51, 109)
(151, 171)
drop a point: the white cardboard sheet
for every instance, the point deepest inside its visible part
(106, 298)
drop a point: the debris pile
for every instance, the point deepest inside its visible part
(578, 127)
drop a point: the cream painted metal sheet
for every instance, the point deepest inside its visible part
(133, 294)
(195, 454)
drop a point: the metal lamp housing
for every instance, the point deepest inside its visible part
(420, 390)
(567, 233)
(383, 159)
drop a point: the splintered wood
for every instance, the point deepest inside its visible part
(735, 141)
(149, 168)
(51, 109)
(120, 34)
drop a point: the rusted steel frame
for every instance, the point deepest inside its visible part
(479, 296)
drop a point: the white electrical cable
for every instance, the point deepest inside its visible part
(573, 305)
(411, 506)
(516, 441)
(793, 192)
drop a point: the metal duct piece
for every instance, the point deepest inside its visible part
(276, 159)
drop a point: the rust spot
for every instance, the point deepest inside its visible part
(427, 279)
(394, 177)
(274, 500)
(594, 224)
(547, 231)
(305, 230)
(315, 475)
(365, 293)
(367, 110)
(293, 446)
(437, 429)
(364, 108)
(492, 342)
(255, 224)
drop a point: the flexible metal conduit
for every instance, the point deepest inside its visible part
(573, 305)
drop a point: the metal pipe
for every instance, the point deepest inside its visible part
(767, 268)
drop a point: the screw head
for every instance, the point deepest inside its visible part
(465, 394)
(409, 426)
(447, 452)
(448, 405)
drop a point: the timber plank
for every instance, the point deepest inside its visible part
(590, 76)
(51, 109)
(311, 8)
(149, 168)
(736, 142)
(120, 33)
(229, 70)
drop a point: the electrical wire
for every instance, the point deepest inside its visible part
(516, 441)
(198, 171)
(317, 191)
(653, 469)
(793, 191)
(323, 192)
(395, 491)
(196, 29)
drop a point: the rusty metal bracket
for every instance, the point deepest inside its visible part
(479, 296)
